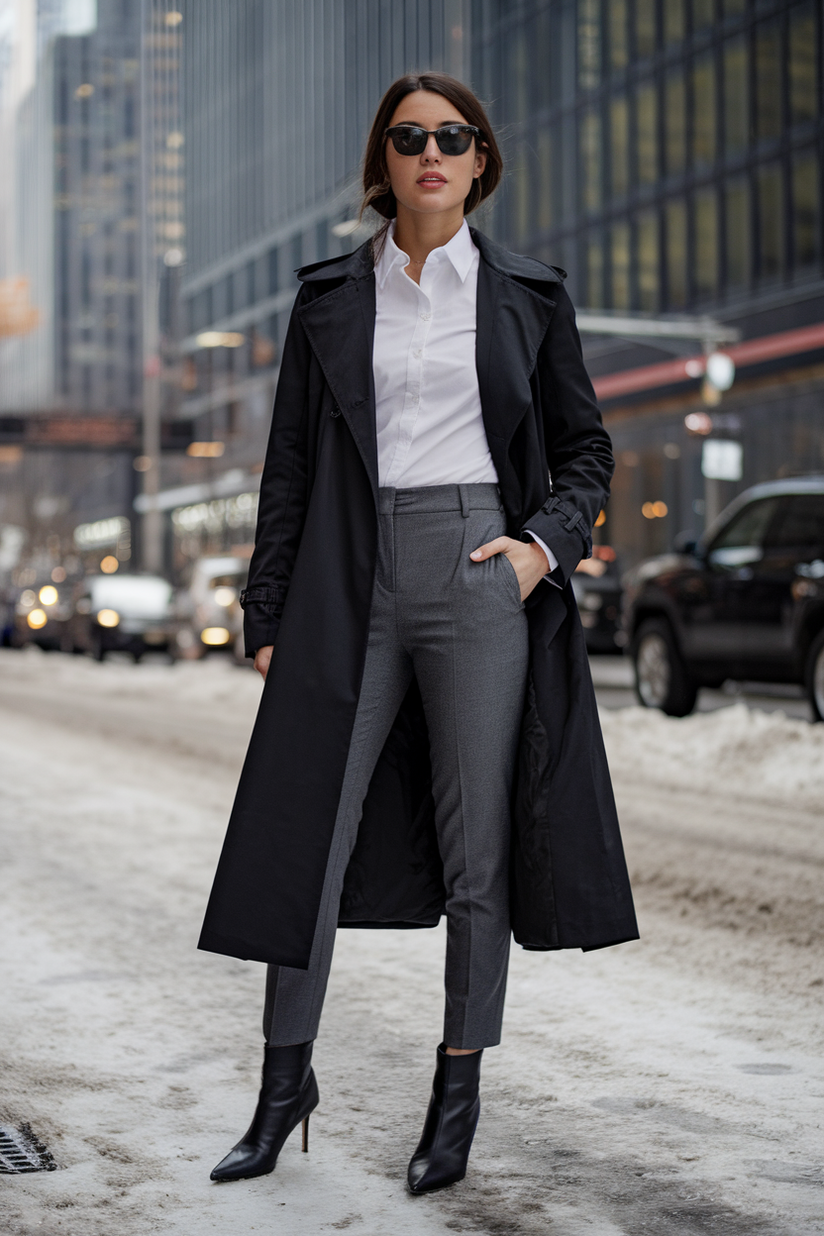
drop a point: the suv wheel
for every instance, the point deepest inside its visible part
(814, 677)
(661, 678)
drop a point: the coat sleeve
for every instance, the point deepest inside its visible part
(283, 494)
(578, 448)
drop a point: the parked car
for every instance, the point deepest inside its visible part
(209, 608)
(596, 583)
(123, 613)
(41, 615)
(745, 602)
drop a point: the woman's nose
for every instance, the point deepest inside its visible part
(432, 152)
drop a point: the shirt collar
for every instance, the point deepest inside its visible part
(460, 251)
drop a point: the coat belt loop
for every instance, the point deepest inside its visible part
(463, 490)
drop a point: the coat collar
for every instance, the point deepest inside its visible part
(359, 265)
(515, 305)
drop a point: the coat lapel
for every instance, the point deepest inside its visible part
(512, 319)
(340, 327)
(514, 309)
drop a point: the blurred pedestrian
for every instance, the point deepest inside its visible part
(427, 740)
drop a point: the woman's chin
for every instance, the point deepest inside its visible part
(431, 201)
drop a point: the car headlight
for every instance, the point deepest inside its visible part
(37, 619)
(108, 617)
(215, 636)
(47, 595)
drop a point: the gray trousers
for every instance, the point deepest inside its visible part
(459, 626)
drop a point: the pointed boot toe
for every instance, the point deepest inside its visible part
(443, 1151)
(288, 1096)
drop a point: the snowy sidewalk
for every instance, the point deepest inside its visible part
(672, 1086)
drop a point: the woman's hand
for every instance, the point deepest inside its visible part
(527, 557)
(262, 658)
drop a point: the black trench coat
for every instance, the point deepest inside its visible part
(309, 591)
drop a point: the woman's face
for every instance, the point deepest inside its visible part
(432, 181)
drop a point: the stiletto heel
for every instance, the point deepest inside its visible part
(288, 1095)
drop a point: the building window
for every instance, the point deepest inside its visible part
(261, 277)
(297, 252)
(802, 65)
(768, 80)
(675, 129)
(516, 74)
(273, 271)
(619, 145)
(589, 44)
(620, 265)
(618, 41)
(770, 220)
(545, 180)
(519, 196)
(322, 240)
(543, 44)
(675, 215)
(703, 14)
(591, 160)
(704, 111)
(736, 97)
(674, 23)
(240, 289)
(738, 232)
(649, 262)
(646, 132)
(644, 28)
(706, 242)
(806, 205)
(595, 272)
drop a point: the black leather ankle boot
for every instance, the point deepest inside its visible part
(454, 1108)
(288, 1094)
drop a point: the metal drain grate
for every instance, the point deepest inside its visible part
(22, 1151)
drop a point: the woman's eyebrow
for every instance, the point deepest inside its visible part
(441, 125)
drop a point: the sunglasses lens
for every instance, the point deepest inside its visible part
(408, 140)
(453, 140)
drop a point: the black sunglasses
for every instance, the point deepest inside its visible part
(452, 139)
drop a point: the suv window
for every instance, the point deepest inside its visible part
(800, 525)
(743, 539)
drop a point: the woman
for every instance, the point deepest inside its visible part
(427, 740)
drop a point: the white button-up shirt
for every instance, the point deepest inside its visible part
(430, 428)
(428, 405)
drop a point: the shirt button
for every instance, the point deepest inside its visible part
(425, 317)
(419, 352)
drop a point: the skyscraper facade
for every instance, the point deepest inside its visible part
(278, 98)
(666, 153)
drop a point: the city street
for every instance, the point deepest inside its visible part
(672, 1086)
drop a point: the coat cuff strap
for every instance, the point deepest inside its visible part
(262, 605)
(560, 525)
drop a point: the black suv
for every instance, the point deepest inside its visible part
(745, 602)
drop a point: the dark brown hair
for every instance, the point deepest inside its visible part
(377, 191)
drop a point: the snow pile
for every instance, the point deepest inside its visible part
(731, 751)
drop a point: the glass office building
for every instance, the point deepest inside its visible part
(666, 153)
(278, 98)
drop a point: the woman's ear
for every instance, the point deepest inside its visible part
(480, 164)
